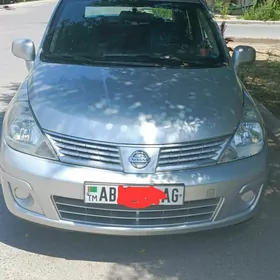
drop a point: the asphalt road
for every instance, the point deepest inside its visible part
(248, 251)
(254, 31)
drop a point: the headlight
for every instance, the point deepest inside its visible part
(22, 133)
(247, 141)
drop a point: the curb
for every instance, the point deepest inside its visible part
(272, 123)
(219, 20)
(255, 40)
(248, 22)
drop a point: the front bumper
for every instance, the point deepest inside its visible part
(44, 179)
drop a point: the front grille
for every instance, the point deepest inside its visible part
(107, 156)
(190, 155)
(83, 152)
(76, 210)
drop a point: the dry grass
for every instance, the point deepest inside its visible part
(263, 78)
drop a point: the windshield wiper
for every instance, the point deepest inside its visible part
(133, 60)
(207, 63)
(90, 60)
(168, 59)
(69, 57)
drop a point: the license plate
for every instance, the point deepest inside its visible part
(134, 196)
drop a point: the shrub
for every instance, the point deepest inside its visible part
(221, 7)
(164, 13)
(266, 12)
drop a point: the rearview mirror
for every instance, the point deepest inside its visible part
(24, 49)
(243, 55)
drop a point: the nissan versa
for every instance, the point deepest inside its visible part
(133, 121)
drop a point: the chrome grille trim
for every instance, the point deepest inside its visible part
(191, 155)
(84, 152)
(107, 156)
(192, 212)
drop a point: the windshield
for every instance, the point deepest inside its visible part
(153, 33)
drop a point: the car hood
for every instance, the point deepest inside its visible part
(135, 105)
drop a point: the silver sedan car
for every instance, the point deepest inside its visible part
(132, 121)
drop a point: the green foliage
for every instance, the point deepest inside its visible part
(274, 3)
(220, 6)
(163, 13)
(224, 10)
(265, 12)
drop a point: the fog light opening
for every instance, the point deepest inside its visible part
(21, 193)
(248, 196)
(23, 198)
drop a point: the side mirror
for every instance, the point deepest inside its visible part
(243, 55)
(24, 49)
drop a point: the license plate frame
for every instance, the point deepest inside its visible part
(108, 193)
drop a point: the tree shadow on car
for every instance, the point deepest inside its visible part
(216, 254)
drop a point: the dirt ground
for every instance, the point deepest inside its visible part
(263, 47)
(263, 78)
